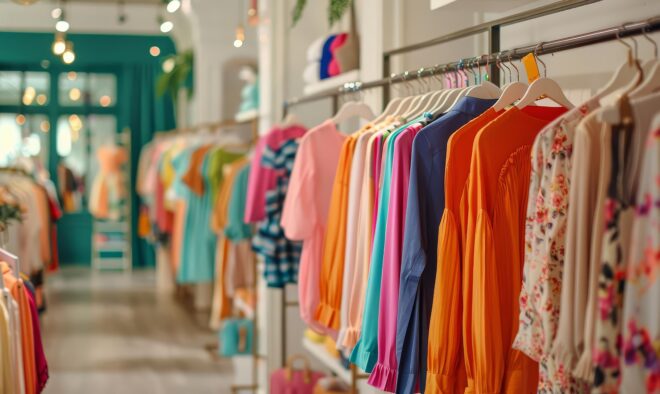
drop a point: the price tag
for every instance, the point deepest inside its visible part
(531, 67)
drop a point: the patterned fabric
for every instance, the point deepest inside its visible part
(281, 255)
(611, 282)
(641, 331)
(545, 238)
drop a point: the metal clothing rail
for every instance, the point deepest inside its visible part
(562, 44)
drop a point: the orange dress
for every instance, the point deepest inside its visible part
(332, 269)
(496, 200)
(446, 368)
(16, 287)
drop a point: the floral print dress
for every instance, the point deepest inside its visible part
(641, 311)
(545, 238)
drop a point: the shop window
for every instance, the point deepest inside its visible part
(37, 89)
(72, 149)
(72, 89)
(103, 90)
(10, 87)
(22, 138)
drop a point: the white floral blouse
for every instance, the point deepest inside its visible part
(545, 237)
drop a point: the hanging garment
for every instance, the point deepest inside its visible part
(281, 255)
(19, 293)
(498, 188)
(545, 239)
(197, 262)
(628, 144)
(236, 228)
(180, 164)
(356, 292)
(221, 303)
(424, 209)
(356, 179)
(262, 179)
(641, 322)
(365, 353)
(334, 243)
(306, 207)
(384, 373)
(584, 226)
(6, 363)
(108, 188)
(445, 361)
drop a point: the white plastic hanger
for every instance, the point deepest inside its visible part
(544, 87)
(512, 92)
(290, 119)
(391, 106)
(424, 101)
(453, 95)
(651, 69)
(611, 113)
(353, 109)
(628, 85)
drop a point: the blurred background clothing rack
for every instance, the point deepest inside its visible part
(548, 47)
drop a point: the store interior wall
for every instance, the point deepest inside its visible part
(580, 71)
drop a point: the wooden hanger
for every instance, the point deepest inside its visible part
(544, 87)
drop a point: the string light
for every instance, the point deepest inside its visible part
(62, 26)
(166, 26)
(240, 36)
(69, 56)
(59, 44)
(173, 6)
(240, 31)
(56, 13)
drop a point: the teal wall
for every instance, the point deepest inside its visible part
(127, 56)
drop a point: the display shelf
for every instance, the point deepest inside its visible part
(334, 364)
(331, 83)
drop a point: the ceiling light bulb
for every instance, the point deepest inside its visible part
(240, 36)
(62, 26)
(68, 56)
(56, 12)
(173, 6)
(59, 45)
(166, 26)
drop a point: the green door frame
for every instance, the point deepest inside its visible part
(117, 54)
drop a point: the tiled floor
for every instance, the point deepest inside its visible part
(112, 333)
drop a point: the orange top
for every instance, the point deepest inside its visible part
(193, 177)
(446, 368)
(494, 250)
(17, 289)
(332, 269)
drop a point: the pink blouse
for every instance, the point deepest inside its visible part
(306, 206)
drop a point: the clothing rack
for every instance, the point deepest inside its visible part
(491, 59)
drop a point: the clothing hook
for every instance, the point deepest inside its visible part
(645, 31)
(536, 56)
(515, 67)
